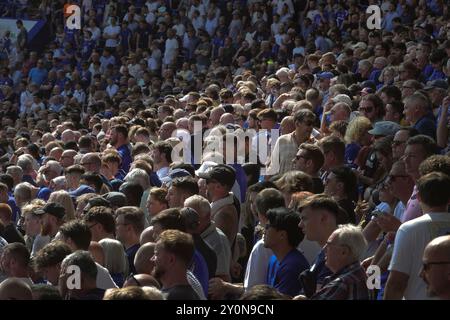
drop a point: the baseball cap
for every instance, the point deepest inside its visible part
(384, 128)
(223, 173)
(343, 98)
(438, 83)
(116, 199)
(325, 75)
(191, 217)
(52, 208)
(83, 189)
(173, 174)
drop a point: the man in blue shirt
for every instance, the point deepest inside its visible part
(38, 74)
(282, 235)
(119, 140)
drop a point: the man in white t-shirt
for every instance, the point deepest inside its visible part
(111, 34)
(413, 236)
(171, 48)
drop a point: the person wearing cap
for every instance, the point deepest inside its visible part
(437, 91)
(52, 218)
(384, 128)
(219, 182)
(419, 115)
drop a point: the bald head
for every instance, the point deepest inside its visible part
(183, 123)
(15, 289)
(142, 259)
(146, 235)
(97, 252)
(436, 267)
(143, 280)
(215, 116)
(226, 118)
(165, 132)
(340, 111)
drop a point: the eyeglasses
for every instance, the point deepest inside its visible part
(406, 87)
(397, 143)
(131, 276)
(426, 265)
(367, 110)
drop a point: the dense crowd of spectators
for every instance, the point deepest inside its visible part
(210, 149)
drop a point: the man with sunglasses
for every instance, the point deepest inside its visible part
(436, 268)
(413, 236)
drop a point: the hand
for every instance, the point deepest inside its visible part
(446, 103)
(388, 223)
(216, 288)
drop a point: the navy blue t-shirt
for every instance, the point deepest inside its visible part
(283, 275)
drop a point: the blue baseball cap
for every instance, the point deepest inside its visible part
(325, 75)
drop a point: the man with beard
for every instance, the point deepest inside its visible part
(52, 218)
(173, 253)
(436, 268)
(119, 140)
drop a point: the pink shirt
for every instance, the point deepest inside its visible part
(413, 209)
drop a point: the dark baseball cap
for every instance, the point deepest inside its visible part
(52, 208)
(223, 173)
(116, 199)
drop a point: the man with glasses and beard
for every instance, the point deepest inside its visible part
(173, 254)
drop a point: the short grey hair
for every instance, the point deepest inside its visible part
(140, 177)
(352, 237)
(15, 171)
(198, 203)
(419, 99)
(23, 191)
(25, 163)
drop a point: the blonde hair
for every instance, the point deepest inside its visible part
(356, 129)
(63, 198)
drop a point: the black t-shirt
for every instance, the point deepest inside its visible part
(11, 234)
(348, 207)
(181, 292)
(317, 185)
